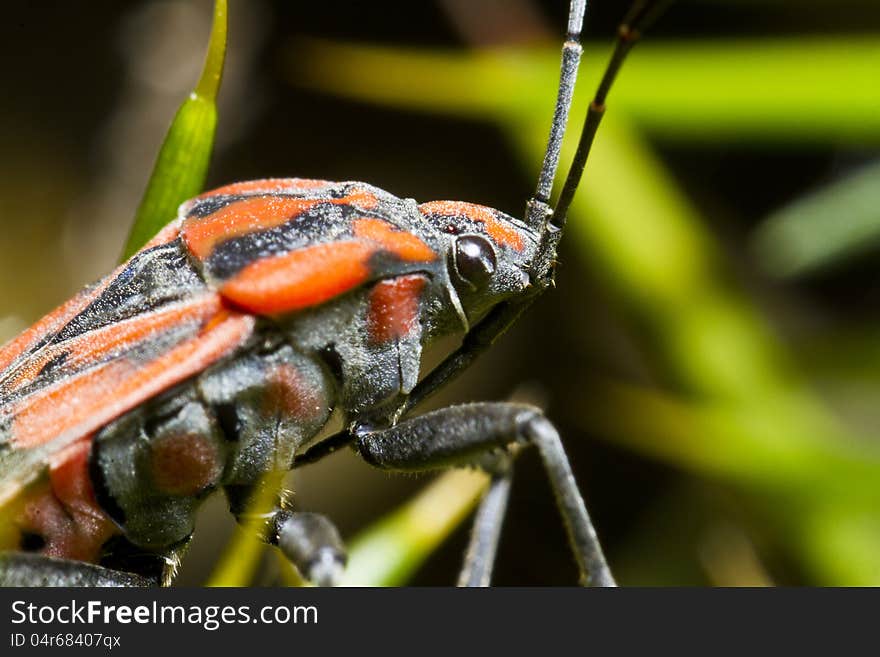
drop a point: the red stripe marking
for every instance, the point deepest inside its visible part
(62, 509)
(52, 322)
(404, 245)
(56, 320)
(71, 483)
(299, 279)
(93, 346)
(495, 227)
(267, 186)
(81, 404)
(203, 234)
(394, 307)
(307, 277)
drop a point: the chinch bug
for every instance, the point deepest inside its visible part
(217, 352)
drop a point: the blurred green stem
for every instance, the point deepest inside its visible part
(390, 551)
(182, 164)
(809, 233)
(796, 91)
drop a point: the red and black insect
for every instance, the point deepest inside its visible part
(219, 350)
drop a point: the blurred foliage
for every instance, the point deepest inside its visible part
(389, 552)
(831, 225)
(779, 90)
(182, 164)
(736, 406)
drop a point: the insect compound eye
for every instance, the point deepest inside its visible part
(473, 260)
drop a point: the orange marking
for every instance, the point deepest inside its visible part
(81, 404)
(56, 320)
(394, 308)
(266, 186)
(52, 322)
(184, 464)
(69, 474)
(495, 227)
(307, 277)
(93, 346)
(203, 234)
(404, 245)
(66, 515)
(299, 279)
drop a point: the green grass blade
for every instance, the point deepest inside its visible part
(182, 163)
(390, 551)
(239, 562)
(824, 228)
(241, 557)
(781, 90)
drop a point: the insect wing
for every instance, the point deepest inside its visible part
(266, 247)
(54, 393)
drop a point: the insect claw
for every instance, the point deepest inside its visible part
(312, 544)
(327, 568)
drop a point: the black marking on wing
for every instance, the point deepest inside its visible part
(320, 224)
(208, 206)
(153, 278)
(52, 366)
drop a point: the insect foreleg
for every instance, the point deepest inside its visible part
(268, 404)
(462, 435)
(312, 543)
(309, 541)
(479, 559)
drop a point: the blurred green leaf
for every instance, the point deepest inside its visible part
(390, 551)
(794, 90)
(240, 560)
(242, 554)
(827, 227)
(182, 163)
(746, 413)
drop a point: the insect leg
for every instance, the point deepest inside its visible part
(23, 569)
(309, 541)
(461, 435)
(480, 555)
(312, 543)
(479, 559)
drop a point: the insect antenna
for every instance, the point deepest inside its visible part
(505, 314)
(640, 16)
(571, 59)
(502, 316)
